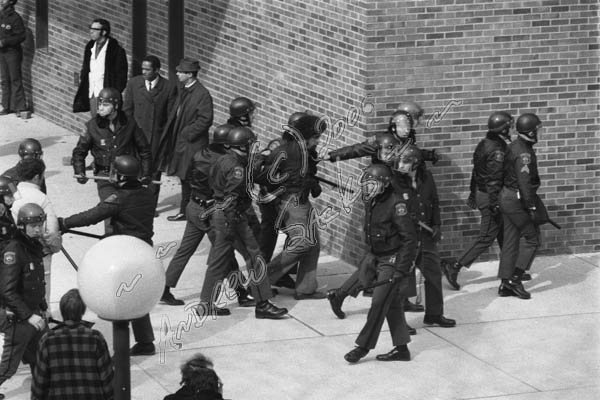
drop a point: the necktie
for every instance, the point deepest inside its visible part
(149, 85)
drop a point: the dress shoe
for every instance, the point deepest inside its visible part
(169, 299)
(177, 217)
(217, 311)
(368, 293)
(142, 349)
(504, 291)
(411, 331)
(356, 354)
(286, 281)
(310, 296)
(451, 273)
(244, 299)
(336, 299)
(439, 320)
(515, 287)
(412, 307)
(526, 277)
(395, 355)
(266, 310)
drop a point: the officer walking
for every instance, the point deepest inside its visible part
(521, 208)
(295, 161)
(228, 178)
(410, 173)
(131, 212)
(23, 306)
(486, 183)
(392, 241)
(108, 135)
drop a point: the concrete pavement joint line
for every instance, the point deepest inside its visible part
(503, 396)
(308, 326)
(536, 390)
(586, 261)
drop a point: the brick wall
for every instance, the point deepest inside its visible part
(460, 59)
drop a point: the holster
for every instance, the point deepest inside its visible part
(367, 269)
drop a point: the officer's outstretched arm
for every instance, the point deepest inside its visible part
(106, 209)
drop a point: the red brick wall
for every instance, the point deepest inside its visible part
(465, 57)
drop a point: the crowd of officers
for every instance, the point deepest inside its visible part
(231, 175)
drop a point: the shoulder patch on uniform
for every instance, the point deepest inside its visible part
(499, 156)
(525, 158)
(400, 209)
(113, 198)
(10, 257)
(238, 172)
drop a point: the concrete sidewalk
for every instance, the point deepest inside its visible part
(502, 348)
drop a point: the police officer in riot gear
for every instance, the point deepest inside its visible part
(392, 241)
(28, 148)
(130, 210)
(486, 183)
(108, 135)
(23, 306)
(241, 112)
(410, 173)
(522, 209)
(230, 222)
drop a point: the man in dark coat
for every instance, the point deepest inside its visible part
(149, 99)
(104, 65)
(186, 131)
(12, 34)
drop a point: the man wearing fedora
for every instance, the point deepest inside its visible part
(186, 131)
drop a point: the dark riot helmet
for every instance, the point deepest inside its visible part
(30, 213)
(241, 138)
(241, 108)
(414, 109)
(528, 125)
(386, 143)
(220, 134)
(30, 148)
(126, 167)
(110, 95)
(374, 180)
(500, 122)
(409, 160)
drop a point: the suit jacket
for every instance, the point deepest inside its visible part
(115, 73)
(187, 129)
(150, 110)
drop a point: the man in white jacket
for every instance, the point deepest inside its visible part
(31, 173)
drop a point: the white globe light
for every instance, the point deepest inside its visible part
(120, 278)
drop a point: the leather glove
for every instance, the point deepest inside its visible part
(146, 180)
(315, 189)
(81, 178)
(495, 209)
(532, 214)
(434, 157)
(37, 322)
(61, 225)
(437, 233)
(471, 202)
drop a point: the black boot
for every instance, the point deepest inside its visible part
(356, 354)
(336, 299)
(244, 299)
(451, 273)
(398, 353)
(169, 299)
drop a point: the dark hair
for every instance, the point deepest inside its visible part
(193, 372)
(72, 306)
(30, 167)
(203, 379)
(153, 60)
(105, 25)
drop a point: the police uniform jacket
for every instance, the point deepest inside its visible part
(294, 169)
(389, 228)
(521, 172)
(228, 181)
(115, 72)
(106, 145)
(150, 109)
(200, 172)
(12, 29)
(131, 210)
(425, 203)
(363, 149)
(7, 225)
(488, 167)
(22, 285)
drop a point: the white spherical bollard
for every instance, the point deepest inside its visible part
(120, 278)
